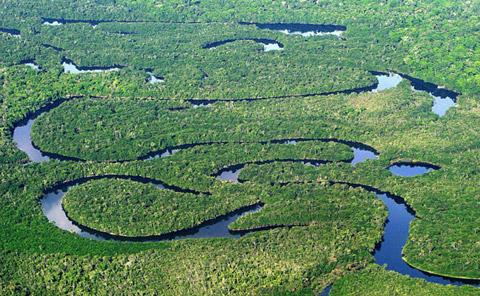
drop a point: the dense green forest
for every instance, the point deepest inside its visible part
(111, 122)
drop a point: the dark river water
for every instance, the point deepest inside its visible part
(268, 44)
(388, 252)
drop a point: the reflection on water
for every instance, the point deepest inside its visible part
(390, 250)
(305, 30)
(152, 79)
(23, 140)
(361, 155)
(230, 175)
(387, 81)
(32, 65)
(268, 44)
(53, 210)
(336, 33)
(443, 99)
(52, 23)
(442, 105)
(70, 67)
(217, 227)
(411, 169)
(271, 47)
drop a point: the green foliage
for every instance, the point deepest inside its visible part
(132, 209)
(122, 117)
(147, 127)
(315, 205)
(378, 282)
(434, 40)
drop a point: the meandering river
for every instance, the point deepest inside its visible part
(388, 251)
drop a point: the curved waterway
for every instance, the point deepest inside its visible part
(231, 173)
(55, 48)
(61, 21)
(52, 23)
(443, 99)
(384, 81)
(11, 32)
(22, 134)
(412, 169)
(361, 153)
(49, 21)
(217, 227)
(268, 44)
(387, 252)
(305, 30)
(31, 63)
(70, 67)
(152, 79)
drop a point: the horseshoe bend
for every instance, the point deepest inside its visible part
(239, 148)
